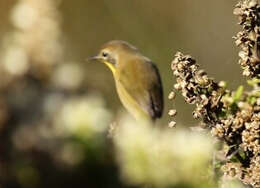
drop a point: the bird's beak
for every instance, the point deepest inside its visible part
(95, 58)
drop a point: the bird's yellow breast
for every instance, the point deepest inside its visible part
(128, 101)
(131, 104)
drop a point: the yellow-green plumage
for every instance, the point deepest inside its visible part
(137, 79)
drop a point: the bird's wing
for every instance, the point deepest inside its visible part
(141, 79)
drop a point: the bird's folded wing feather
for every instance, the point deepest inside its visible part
(142, 81)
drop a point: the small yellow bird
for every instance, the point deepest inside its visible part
(136, 77)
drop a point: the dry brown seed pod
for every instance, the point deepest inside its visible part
(172, 124)
(172, 95)
(172, 112)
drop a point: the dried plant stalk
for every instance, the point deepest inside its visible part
(233, 117)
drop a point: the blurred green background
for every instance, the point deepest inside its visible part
(55, 108)
(159, 29)
(201, 28)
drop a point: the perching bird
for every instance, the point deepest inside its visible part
(136, 77)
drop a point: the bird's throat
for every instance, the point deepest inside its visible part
(111, 67)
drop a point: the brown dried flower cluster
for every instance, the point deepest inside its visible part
(249, 38)
(197, 88)
(233, 117)
(246, 123)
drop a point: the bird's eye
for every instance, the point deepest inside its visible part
(104, 54)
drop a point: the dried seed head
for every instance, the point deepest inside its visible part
(172, 113)
(172, 124)
(248, 39)
(172, 95)
(222, 84)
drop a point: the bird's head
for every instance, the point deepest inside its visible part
(112, 52)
